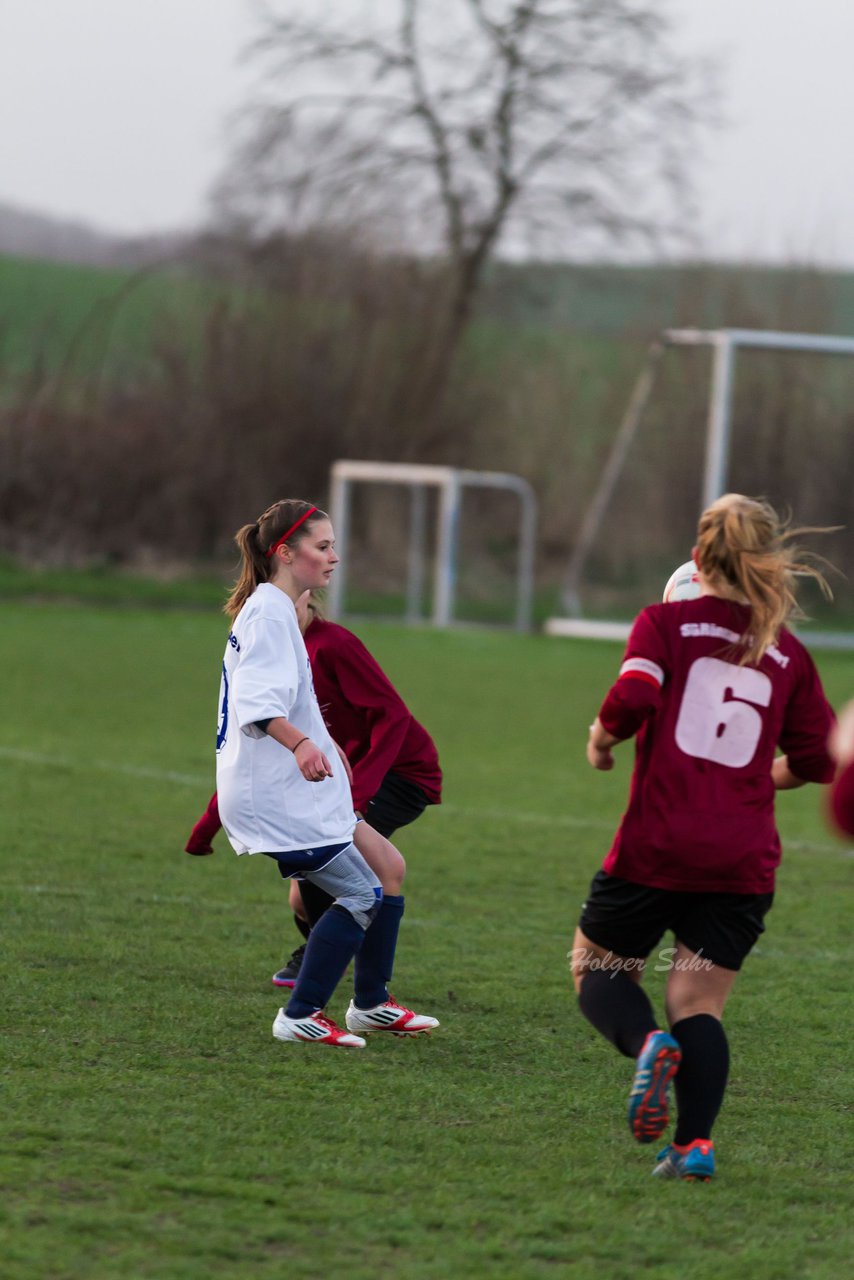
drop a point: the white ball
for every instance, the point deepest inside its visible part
(683, 584)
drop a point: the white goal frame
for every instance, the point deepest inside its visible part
(725, 344)
(451, 483)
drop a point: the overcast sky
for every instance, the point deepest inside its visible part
(112, 111)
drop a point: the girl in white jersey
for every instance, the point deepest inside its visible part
(278, 791)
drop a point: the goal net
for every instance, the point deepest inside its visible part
(769, 414)
(432, 543)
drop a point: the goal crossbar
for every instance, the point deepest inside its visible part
(450, 483)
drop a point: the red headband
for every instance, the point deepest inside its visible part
(292, 529)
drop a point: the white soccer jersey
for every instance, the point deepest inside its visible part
(265, 803)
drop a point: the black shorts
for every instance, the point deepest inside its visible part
(397, 803)
(630, 919)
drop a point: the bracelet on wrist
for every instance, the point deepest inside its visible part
(299, 744)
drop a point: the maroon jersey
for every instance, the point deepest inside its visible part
(366, 715)
(700, 815)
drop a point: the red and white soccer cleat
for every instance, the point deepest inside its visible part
(316, 1028)
(389, 1017)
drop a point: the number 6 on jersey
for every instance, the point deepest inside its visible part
(718, 719)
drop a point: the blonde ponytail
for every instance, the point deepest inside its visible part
(744, 550)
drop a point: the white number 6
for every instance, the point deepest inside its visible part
(716, 720)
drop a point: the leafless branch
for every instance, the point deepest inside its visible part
(515, 113)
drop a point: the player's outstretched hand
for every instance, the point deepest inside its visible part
(198, 847)
(599, 745)
(599, 758)
(313, 764)
(841, 741)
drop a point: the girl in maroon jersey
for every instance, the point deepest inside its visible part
(394, 762)
(709, 688)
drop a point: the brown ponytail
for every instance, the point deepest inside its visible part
(745, 550)
(255, 541)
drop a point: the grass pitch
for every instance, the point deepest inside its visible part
(153, 1127)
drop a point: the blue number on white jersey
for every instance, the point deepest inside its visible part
(222, 722)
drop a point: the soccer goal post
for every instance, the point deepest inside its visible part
(725, 345)
(451, 484)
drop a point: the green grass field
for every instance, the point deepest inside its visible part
(79, 320)
(153, 1127)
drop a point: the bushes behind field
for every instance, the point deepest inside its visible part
(295, 353)
(300, 354)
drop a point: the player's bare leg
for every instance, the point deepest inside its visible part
(611, 998)
(697, 992)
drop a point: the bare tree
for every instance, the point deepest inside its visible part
(463, 127)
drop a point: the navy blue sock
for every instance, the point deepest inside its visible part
(618, 1008)
(375, 960)
(700, 1082)
(331, 945)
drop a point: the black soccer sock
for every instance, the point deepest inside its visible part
(618, 1008)
(701, 1079)
(315, 901)
(303, 925)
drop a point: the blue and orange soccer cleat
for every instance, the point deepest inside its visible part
(694, 1163)
(658, 1062)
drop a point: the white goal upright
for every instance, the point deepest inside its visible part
(725, 344)
(451, 483)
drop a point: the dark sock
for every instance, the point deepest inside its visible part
(315, 901)
(701, 1079)
(375, 961)
(333, 942)
(618, 1008)
(303, 925)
